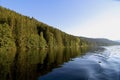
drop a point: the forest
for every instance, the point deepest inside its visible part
(23, 32)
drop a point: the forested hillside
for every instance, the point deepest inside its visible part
(23, 32)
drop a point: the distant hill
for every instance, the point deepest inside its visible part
(118, 41)
(100, 41)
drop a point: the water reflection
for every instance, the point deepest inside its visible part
(98, 64)
(29, 65)
(6, 60)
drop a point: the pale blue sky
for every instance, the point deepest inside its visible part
(90, 18)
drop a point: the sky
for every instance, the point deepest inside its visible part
(88, 18)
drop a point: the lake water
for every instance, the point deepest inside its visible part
(63, 64)
(95, 65)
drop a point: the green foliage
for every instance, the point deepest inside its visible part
(33, 41)
(6, 38)
(27, 33)
(43, 43)
(58, 38)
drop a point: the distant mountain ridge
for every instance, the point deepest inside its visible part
(118, 41)
(100, 41)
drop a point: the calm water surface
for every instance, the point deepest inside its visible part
(63, 64)
(95, 65)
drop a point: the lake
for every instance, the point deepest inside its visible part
(62, 64)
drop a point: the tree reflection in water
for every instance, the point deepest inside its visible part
(29, 65)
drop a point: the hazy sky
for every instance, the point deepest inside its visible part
(89, 18)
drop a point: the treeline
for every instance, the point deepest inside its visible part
(23, 32)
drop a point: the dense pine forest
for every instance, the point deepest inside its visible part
(23, 32)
